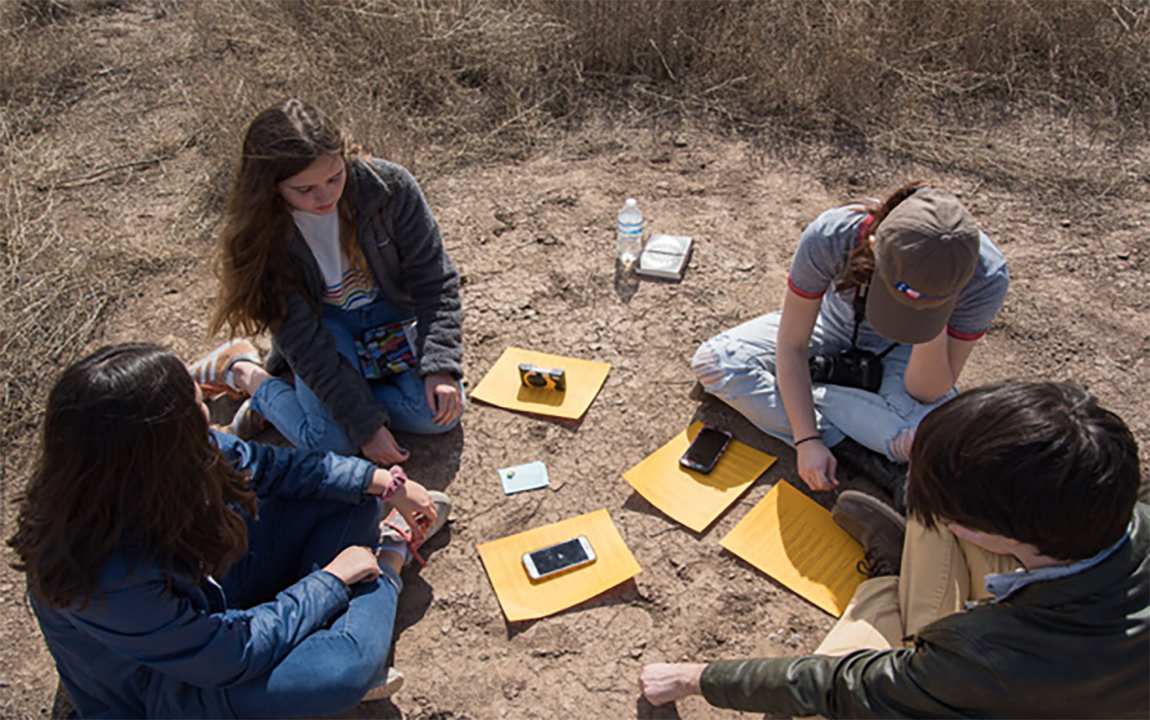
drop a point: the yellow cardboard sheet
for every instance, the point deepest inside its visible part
(690, 497)
(501, 385)
(525, 599)
(794, 540)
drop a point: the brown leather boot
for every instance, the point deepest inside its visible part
(875, 526)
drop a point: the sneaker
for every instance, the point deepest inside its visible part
(887, 475)
(875, 526)
(387, 686)
(213, 372)
(394, 528)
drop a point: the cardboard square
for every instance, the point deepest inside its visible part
(794, 540)
(525, 599)
(502, 387)
(530, 476)
(690, 497)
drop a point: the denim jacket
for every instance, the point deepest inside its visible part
(144, 648)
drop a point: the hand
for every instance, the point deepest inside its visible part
(443, 397)
(662, 683)
(354, 565)
(382, 449)
(415, 505)
(817, 465)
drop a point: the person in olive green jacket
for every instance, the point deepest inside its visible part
(1034, 472)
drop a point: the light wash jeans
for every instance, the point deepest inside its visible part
(331, 669)
(300, 415)
(738, 367)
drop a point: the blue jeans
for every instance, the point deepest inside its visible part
(738, 367)
(331, 669)
(300, 415)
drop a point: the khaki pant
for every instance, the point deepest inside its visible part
(939, 574)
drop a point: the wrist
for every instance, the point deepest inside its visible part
(387, 483)
(692, 680)
(398, 485)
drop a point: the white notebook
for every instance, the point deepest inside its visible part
(665, 256)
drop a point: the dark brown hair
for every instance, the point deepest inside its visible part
(860, 266)
(126, 460)
(1041, 463)
(252, 258)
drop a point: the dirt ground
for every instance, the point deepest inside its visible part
(533, 241)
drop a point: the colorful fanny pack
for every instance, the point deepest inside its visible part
(387, 350)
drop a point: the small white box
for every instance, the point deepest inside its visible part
(665, 256)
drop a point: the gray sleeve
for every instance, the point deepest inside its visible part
(823, 251)
(979, 302)
(430, 277)
(310, 352)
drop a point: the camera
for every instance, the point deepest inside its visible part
(537, 377)
(852, 367)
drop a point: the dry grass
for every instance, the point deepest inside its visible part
(941, 82)
(1034, 95)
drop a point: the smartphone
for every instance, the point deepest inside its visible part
(558, 558)
(706, 449)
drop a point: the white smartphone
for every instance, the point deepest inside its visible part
(558, 558)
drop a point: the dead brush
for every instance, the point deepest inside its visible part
(1045, 97)
(428, 84)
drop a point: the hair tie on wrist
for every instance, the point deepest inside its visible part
(812, 437)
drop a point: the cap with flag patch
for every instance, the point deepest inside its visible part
(926, 251)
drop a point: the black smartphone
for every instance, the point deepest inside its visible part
(559, 558)
(706, 449)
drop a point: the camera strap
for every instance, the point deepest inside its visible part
(859, 304)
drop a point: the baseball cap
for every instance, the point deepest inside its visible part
(925, 250)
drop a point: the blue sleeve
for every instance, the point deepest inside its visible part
(140, 617)
(288, 472)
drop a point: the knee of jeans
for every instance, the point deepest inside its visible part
(898, 447)
(324, 438)
(347, 685)
(437, 429)
(705, 365)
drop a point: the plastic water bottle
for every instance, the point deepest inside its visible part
(629, 232)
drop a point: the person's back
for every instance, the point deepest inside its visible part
(1077, 646)
(1034, 473)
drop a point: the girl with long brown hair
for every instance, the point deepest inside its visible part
(884, 304)
(177, 571)
(340, 258)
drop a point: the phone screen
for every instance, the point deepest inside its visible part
(558, 557)
(704, 451)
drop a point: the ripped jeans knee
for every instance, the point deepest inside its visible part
(898, 449)
(705, 365)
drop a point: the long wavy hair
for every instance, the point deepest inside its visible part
(126, 462)
(252, 257)
(860, 266)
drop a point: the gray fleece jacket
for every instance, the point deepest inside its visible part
(401, 241)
